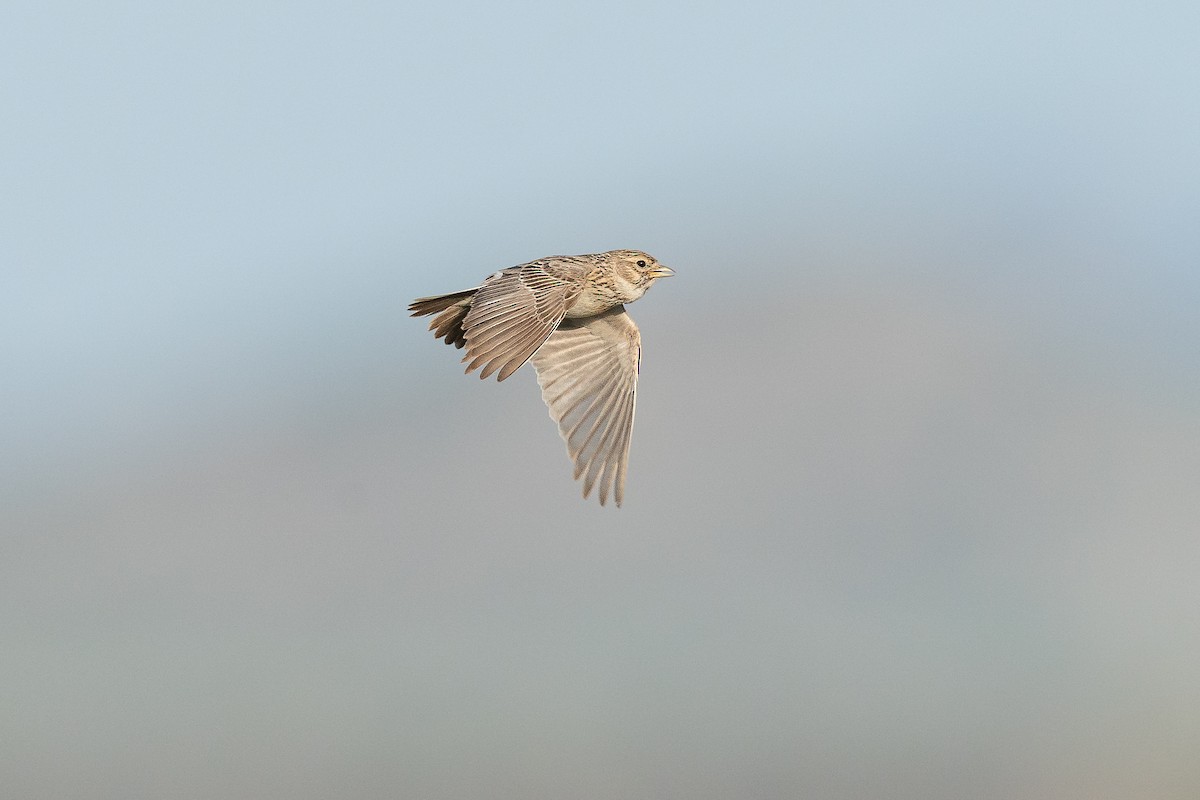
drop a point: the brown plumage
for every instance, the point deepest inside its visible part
(567, 314)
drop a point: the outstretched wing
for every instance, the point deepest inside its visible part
(513, 313)
(588, 372)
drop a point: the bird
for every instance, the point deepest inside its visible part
(566, 314)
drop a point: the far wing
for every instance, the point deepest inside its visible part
(588, 372)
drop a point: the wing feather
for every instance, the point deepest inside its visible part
(514, 312)
(588, 371)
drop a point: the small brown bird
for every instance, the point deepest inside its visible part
(567, 313)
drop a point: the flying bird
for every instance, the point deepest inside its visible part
(567, 314)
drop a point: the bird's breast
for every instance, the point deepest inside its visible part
(589, 304)
(599, 295)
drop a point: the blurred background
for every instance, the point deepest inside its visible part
(912, 506)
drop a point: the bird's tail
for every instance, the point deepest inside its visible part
(450, 309)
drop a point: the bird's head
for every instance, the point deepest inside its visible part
(638, 269)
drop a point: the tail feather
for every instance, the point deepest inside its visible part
(451, 309)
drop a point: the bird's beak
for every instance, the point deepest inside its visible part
(661, 272)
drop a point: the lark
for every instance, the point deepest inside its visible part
(567, 314)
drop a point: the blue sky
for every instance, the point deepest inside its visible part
(911, 502)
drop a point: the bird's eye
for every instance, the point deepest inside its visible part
(641, 264)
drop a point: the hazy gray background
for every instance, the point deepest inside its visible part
(912, 508)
